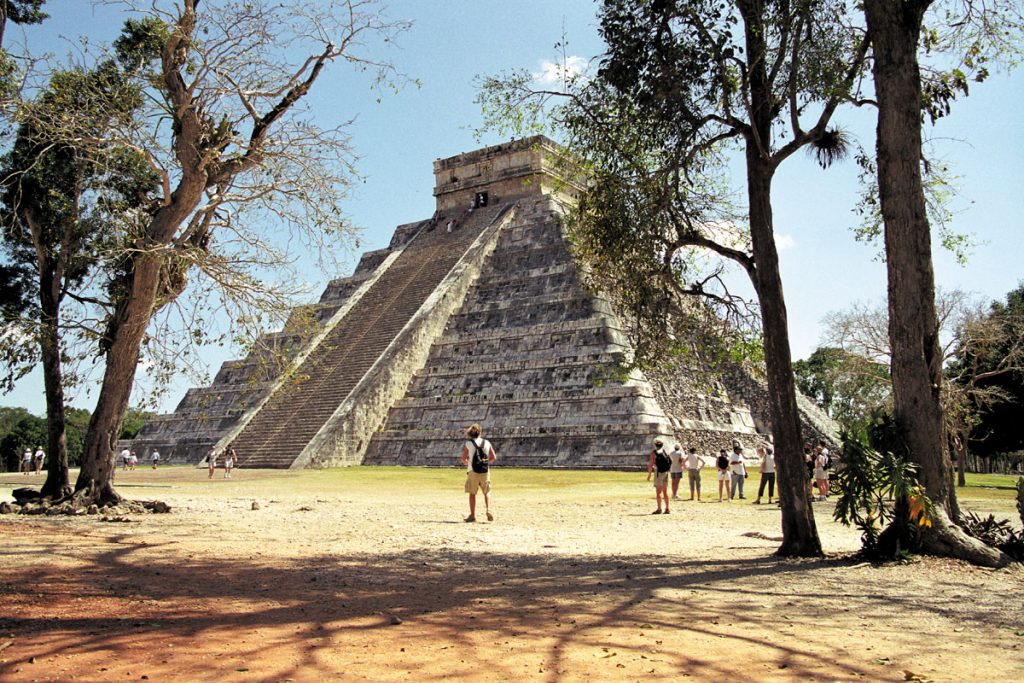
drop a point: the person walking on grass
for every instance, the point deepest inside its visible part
(722, 463)
(738, 470)
(40, 456)
(477, 456)
(659, 464)
(676, 471)
(229, 459)
(693, 464)
(26, 461)
(211, 460)
(767, 473)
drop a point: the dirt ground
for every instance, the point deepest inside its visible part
(374, 576)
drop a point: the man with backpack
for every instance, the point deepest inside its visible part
(659, 463)
(477, 456)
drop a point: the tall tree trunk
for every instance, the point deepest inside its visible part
(895, 28)
(95, 480)
(57, 484)
(799, 531)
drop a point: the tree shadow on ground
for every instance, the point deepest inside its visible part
(464, 598)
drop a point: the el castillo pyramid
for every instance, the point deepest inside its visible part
(477, 314)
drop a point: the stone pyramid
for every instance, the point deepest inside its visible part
(477, 314)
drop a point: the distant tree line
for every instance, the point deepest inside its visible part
(20, 430)
(848, 377)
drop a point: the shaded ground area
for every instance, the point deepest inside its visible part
(369, 575)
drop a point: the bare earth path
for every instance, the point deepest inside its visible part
(370, 575)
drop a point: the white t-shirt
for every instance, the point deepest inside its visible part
(125, 455)
(822, 459)
(768, 463)
(40, 454)
(693, 461)
(471, 445)
(155, 456)
(27, 457)
(676, 457)
(736, 463)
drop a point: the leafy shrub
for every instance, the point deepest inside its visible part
(996, 533)
(877, 489)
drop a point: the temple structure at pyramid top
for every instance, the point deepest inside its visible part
(475, 314)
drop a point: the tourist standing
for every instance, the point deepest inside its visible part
(477, 456)
(133, 461)
(722, 463)
(676, 470)
(693, 464)
(821, 464)
(211, 460)
(738, 470)
(40, 456)
(26, 461)
(155, 458)
(229, 459)
(659, 464)
(767, 473)
(126, 456)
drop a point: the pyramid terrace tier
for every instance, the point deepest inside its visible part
(556, 340)
(624, 447)
(625, 405)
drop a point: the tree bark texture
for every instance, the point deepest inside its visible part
(57, 484)
(799, 531)
(895, 26)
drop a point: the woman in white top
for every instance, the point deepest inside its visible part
(676, 470)
(767, 473)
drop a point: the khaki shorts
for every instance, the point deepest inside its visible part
(660, 479)
(476, 481)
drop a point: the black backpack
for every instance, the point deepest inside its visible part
(479, 462)
(662, 461)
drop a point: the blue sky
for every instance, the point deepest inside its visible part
(451, 41)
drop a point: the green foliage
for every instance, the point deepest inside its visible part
(27, 433)
(988, 365)
(134, 421)
(996, 533)
(61, 200)
(876, 489)
(853, 390)
(24, 11)
(10, 416)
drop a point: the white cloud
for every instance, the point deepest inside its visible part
(784, 242)
(553, 74)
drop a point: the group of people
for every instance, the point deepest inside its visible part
(130, 459)
(229, 458)
(819, 462)
(32, 463)
(666, 468)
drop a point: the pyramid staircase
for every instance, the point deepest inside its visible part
(278, 431)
